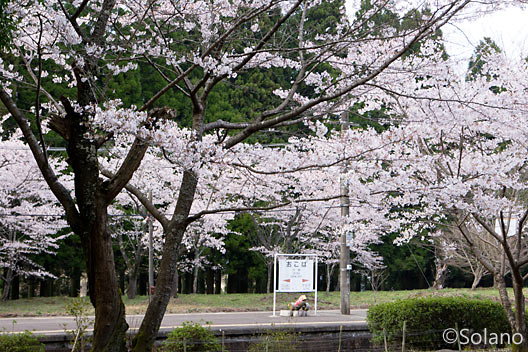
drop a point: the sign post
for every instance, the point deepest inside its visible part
(294, 275)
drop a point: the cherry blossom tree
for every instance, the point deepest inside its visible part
(194, 45)
(462, 167)
(28, 215)
(459, 254)
(196, 242)
(129, 228)
(287, 231)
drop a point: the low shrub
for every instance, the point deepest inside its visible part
(191, 337)
(79, 308)
(23, 342)
(427, 318)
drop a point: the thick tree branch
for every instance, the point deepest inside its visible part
(198, 215)
(126, 171)
(143, 199)
(52, 180)
(37, 97)
(102, 21)
(80, 9)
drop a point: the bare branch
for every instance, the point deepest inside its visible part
(263, 208)
(423, 32)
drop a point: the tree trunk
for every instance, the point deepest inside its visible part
(149, 328)
(505, 300)
(7, 289)
(218, 282)
(441, 274)
(328, 278)
(209, 281)
(32, 285)
(15, 287)
(7, 285)
(144, 340)
(142, 284)
(477, 276)
(122, 278)
(75, 284)
(195, 278)
(186, 283)
(43, 288)
(520, 313)
(175, 284)
(110, 324)
(270, 276)
(496, 284)
(132, 284)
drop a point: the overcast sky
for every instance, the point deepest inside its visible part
(508, 28)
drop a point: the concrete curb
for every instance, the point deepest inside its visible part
(240, 337)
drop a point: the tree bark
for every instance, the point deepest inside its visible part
(270, 275)
(132, 267)
(218, 282)
(7, 285)
(32, 285)
(505, 300)
(75, 284)
(175, 284)
(132, 285)
(92, 200)
(110, 324)
(441, 273)
(15, 287)
(144, 340)
(209, 281)
(149, 328)
(329, 268)
(195, 278)
(520, 313)
(477, 276)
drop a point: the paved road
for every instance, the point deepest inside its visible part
(57, 325)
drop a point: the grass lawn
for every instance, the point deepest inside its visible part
(236, 302)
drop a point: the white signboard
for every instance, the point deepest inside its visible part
(349, 239)
(296, 275)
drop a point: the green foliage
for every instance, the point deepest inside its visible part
(277, 340)
(67, 261)
(484, 49)
(7, 25)
(383, 18)
(323, 18)
(24, 342)
(79, 309)
(191, 337)
(427, 318)
(240, 258)
(405, 263)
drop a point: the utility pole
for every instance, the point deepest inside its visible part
(151, 251)
(344, 257)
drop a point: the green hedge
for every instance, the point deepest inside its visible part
(427, 318)
(24, 342)
(191, 337)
